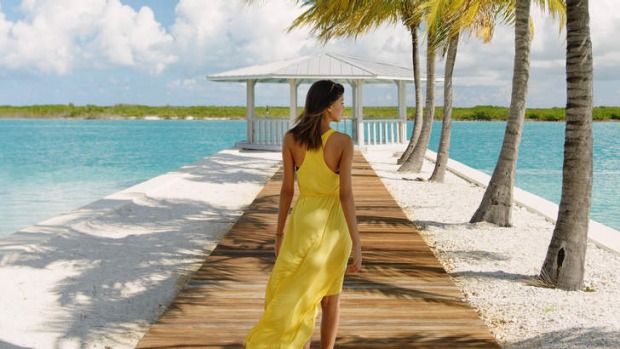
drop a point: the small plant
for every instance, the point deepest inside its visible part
(481, 115)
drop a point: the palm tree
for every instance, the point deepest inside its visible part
(446, 124)
(330, 19)
(414, 162)
(414, 24)
(564, 263)
(453, 17)
(496, 205)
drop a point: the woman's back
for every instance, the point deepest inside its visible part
(314, 175)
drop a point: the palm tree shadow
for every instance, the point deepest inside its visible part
(6, 345)
(498, 275)
(250, 243)
(116, 255)
(235, 168)
(414, 341)
(363, 285)
(422, 225)
(117, 281)
(576, 337)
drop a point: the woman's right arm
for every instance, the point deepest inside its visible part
(287, 191)
(348, 204)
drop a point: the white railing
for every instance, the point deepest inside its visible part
(380, 132)
(346, 125)
(270, 132)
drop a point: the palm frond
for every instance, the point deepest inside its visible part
(555, 8)
(330, 19)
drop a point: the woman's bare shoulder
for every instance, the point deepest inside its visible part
(289, 138)
(342, 139)
(291, 143)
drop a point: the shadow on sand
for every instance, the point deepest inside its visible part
(123, 261)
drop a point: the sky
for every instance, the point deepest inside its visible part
(159, 52)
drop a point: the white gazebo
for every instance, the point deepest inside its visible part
(267, 133)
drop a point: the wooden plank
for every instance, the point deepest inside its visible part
(403, 298)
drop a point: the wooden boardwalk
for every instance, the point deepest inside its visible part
(403, 298)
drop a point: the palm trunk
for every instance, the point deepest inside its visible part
(416, 159)
(496, 205)
(564, 264)
(446, 125)
(417, 123)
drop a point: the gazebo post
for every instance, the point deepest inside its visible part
(268, 134)
(358, 117)
(249, 110)
(402, 112)
(353, 112)
(293, 84)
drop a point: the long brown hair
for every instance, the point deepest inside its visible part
(321, 95)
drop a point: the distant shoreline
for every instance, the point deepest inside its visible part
(117, 117)
(141, 112)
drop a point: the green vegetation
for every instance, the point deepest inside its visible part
(122, 111)
(126, 111)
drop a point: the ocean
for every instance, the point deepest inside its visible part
(49, 167)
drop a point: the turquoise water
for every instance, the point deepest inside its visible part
(48, 167)
(539, 167)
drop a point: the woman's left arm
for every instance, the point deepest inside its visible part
(287, 191)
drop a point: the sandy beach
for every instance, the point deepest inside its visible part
(98, 276)
(495, 267)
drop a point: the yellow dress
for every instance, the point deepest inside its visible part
(312, 260)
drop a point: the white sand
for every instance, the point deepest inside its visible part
(98, 276)
(493, 265)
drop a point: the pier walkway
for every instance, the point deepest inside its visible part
(403, 298)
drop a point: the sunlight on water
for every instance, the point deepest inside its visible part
(539, 167)
(48, 167)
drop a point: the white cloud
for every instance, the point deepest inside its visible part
(5, 27)
(605, 26)
(199, 27)
(184, 84)
(56, 36)
(134, 38)
(75, 36)
(388, 43)
(492, 65)
(227, 35)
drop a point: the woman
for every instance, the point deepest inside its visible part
(321, 233)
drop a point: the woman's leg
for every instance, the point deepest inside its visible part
(330, 306)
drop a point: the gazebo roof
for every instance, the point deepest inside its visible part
(265, 133)
(320, 66)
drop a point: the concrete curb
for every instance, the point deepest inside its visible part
(602, 235)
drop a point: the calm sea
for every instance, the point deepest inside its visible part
(48, 167)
